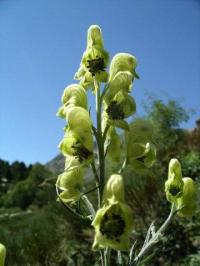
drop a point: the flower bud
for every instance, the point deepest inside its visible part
(122, 81)
(94, 36)
(174, 169)
(123, 62)
(80, 123)
(73, 95)
(2, 254)
(114, 189)
(187, 202)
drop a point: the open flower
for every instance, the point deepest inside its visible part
(113, 223)
(73, 145)
(73, 95)
(187, 202)
(71, 183)
(120, 107)
(2, 254)
(141, 156)
(141, 152)
(174, 184)
(95, 59)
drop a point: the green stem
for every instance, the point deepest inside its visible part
(119, 258)
(100, 141)
(105, 132)
(107, 252)
(123, 166)
(156, 237)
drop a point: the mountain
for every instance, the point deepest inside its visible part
(56, 165)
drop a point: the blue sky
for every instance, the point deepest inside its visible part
(42, 41)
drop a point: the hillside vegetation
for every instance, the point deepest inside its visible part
(38, 231)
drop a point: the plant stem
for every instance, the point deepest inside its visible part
(100, 141)
(123, 166)
(155, 237)
(119, 258)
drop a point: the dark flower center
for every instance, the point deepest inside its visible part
(96, 65)
(174, 191)
(80, 152)
(115, 111)
(112, 225)
(141, 159)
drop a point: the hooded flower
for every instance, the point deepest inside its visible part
(95, 59)
(122, 81)
(2, 254)
(141, 152)
(118, 104)
(73, 95)
(123, 62)
(113, 143)
(78, 140)
(114, 190)
(174, 184)
(113, 223)
(141, 130)
(71, 183)
(119, 108)
(141, 156)
(187, 202)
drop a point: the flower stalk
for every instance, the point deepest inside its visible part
(113, 221)
(153, 237)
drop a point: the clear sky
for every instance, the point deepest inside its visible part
(42, 41)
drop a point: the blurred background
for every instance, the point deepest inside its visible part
(41, 44)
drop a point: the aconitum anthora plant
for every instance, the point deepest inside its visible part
(111, 82)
